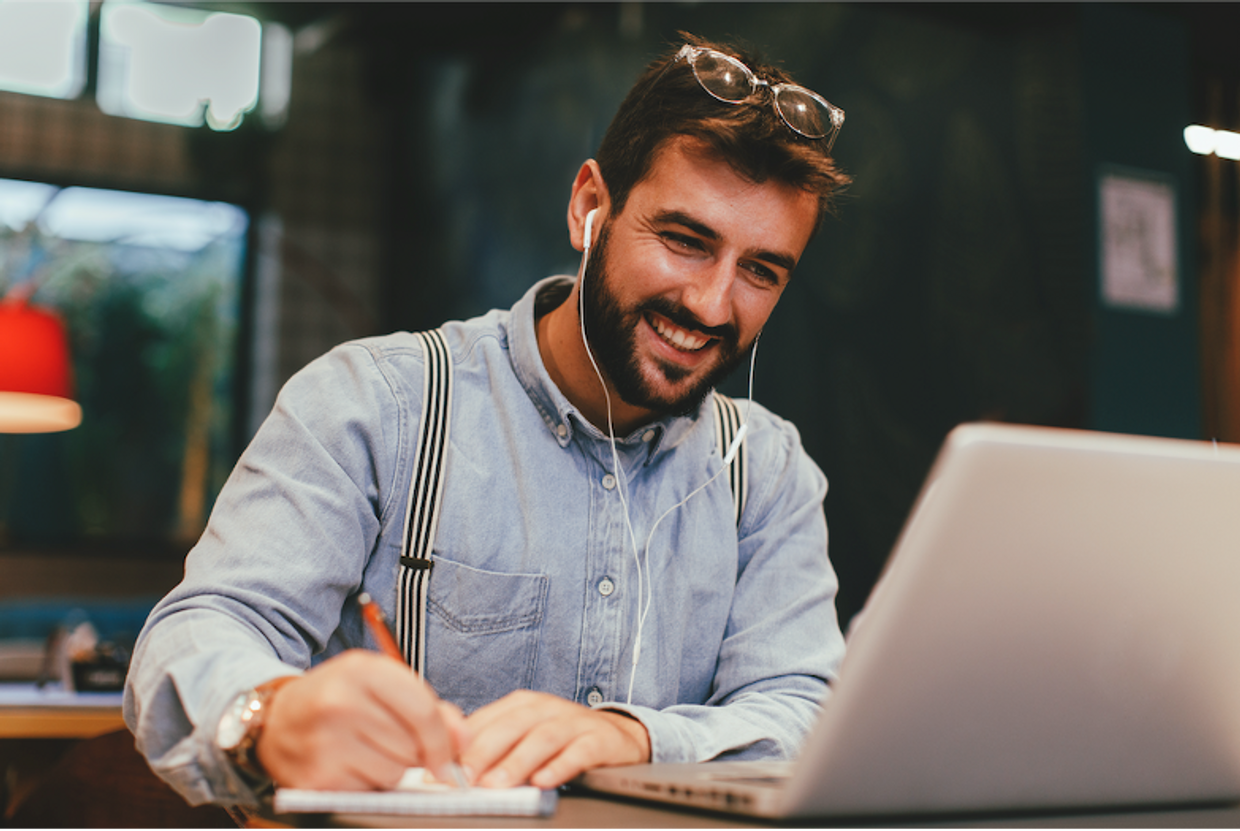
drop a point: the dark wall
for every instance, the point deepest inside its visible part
(955, 285)
(1136, 72)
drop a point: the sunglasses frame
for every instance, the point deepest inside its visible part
(835, 115)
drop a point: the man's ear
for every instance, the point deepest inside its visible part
(589, 193)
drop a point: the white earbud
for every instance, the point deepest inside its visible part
(590, 228)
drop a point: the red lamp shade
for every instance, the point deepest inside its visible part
(36, 381)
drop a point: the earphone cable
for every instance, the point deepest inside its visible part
(645, 583)
(644, 608)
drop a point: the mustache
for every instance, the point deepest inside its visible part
(685, 319)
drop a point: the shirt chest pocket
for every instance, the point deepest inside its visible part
(482, 632)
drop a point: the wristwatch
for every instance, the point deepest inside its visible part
(241, 726)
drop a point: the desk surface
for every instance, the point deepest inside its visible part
(27, 712)
(580, 810)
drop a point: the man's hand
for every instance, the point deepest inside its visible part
(355, 722)
(546, 740)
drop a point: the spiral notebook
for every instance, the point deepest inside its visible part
(415, 795)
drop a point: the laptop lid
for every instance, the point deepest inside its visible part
(1058, 627)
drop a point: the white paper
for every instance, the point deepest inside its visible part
(418, 793)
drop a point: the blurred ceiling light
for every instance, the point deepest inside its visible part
(178, 65)
(1199, 139)
(43, 47)
(1206, 140)
(277, 75)
(1226, 144)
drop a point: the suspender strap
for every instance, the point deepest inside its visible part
(727, 423)
(425, 491)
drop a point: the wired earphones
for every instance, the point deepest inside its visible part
(645, 588)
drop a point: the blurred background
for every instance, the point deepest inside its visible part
(213, 194)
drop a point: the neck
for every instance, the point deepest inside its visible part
(567, 362)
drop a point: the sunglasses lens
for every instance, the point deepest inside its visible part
(806, 113)
(723, 77)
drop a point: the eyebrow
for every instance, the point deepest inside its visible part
(703, 230)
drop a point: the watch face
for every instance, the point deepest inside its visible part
(231, 729)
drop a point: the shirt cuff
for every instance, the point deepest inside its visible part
(663, 746)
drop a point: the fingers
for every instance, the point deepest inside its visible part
(610, 739)
(530, 752)
(360, 719)
(454, 720)
(496, 729)
(582, 753)
(547, 740)
(417, 712)
(552, 754)
(357, 721)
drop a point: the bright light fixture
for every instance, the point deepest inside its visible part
(178, 65)
(277, 83)
(1226, 144)
(1199, 139)
(1206, 140)
(36, 375)
(43, 47)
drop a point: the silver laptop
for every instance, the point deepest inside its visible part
(1058, 627)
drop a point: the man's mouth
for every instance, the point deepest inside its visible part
(682, 339)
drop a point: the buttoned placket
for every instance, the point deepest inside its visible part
(609, 619)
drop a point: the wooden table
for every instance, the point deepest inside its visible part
(27, 712)
(583, 810)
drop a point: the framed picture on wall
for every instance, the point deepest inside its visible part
(1139, 249)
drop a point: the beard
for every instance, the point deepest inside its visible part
(612, 333)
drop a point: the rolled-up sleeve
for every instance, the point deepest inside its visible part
(288, 541)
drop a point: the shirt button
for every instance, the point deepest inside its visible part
(561, 430)
(606, 587)
(609, 481)
(648, 436)
(594, 697)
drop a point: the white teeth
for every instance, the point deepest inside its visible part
(678, 337)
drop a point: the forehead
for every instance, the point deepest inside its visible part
(686, 176)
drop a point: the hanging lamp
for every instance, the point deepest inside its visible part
(36, 375)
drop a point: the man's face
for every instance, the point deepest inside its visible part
(680, 283)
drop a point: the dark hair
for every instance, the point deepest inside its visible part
(667, 102)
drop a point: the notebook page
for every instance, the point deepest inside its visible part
(419, 794)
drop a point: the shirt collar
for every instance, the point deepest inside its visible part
(559, 415)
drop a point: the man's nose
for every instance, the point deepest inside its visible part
(709, 296)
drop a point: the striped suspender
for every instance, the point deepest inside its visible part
(727, 422)
(422, 515)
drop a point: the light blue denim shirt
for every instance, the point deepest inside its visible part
(534, 583)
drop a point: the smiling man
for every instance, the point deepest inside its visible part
(683, 280)
(595, 597)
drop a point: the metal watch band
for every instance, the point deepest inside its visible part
(244, 755)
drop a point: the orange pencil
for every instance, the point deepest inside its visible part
(377, 623)
(378, 626)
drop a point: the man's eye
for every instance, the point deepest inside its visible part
(682, 241)
(763, 273)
